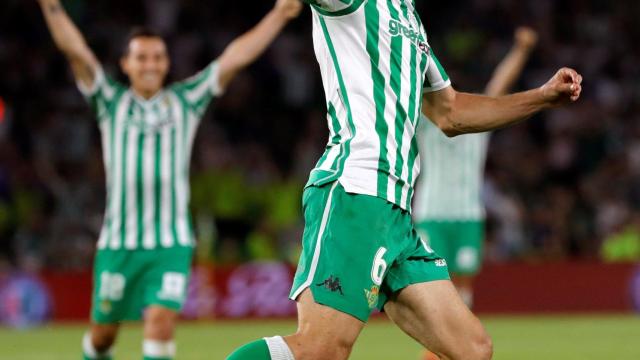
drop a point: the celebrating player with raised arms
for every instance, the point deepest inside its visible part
(360, 249)
(146, 243)
(448, 210)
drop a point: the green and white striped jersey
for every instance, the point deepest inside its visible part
(147, 149)
(374, 60)
(450, 186)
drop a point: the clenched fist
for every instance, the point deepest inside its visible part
(564, 87)
(289, 8)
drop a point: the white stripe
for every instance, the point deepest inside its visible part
(121, 113)
(316, 252)
(182, 187)
(166, 238)
(106, 151)
(131, 234)
(148, 170)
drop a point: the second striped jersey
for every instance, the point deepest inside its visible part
(147, 149)
(375, 61)
(449, 188)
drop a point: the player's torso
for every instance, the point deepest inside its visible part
(147, 146)
(450, 183)
(372, 63)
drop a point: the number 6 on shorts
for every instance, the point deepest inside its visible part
(379, 267)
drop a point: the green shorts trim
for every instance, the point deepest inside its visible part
(359, 250)
(126, 282)
(459, 242)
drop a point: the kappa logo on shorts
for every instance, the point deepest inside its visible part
(441, 262)
(372, 296)
(332, 284)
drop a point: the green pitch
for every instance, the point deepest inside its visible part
(515, 338)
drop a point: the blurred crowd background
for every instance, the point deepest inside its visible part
(564, 185)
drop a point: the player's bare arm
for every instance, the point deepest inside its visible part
(70, 41)
(509, 70)
(457, 113)
(248, 47)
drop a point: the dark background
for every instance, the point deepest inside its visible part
(558, 186)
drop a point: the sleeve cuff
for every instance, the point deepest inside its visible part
(98, 80)
(214, 80)
(437, 87)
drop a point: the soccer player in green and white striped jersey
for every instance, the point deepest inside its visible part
(448, 209)
(360, 249)
(146, 243)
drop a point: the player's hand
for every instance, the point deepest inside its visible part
(564, 87)
(526, 37)
(289, 8)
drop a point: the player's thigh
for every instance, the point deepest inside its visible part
(166, 280)
(434, 315)
(348, 245)
(116, 293)
(323, 332)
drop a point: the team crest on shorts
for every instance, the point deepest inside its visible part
(372, 296)
(105, 306)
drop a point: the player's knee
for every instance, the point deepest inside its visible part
(480, 347)
(102, 341)
(159, 324)
(484, 347)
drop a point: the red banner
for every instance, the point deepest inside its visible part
(261, 290)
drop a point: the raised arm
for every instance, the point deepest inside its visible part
(248, 47)
(70, 41)
(458, 113)
(509, 70)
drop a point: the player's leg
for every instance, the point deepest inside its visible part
(159, 331)
(109, 302)
(434, 315)
(164, 292)
(323, 334)
(424, 303)
(335, 285)
(98, 341)
(466, 242)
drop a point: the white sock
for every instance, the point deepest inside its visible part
(278, 348)
(89, 350)
(159, 349)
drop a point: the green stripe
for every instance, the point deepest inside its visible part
(413, 151)
(352, 8)
(174, 190)
(413, 155)
(395, 62)
(336, 132)
(157, 188)
(413, 116)
(343, 90)
(372, 18)
(123, 196)
(140, 186)
(335, 139)
(110, 171)
(182, 170)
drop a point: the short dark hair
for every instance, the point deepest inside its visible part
(138, 32)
